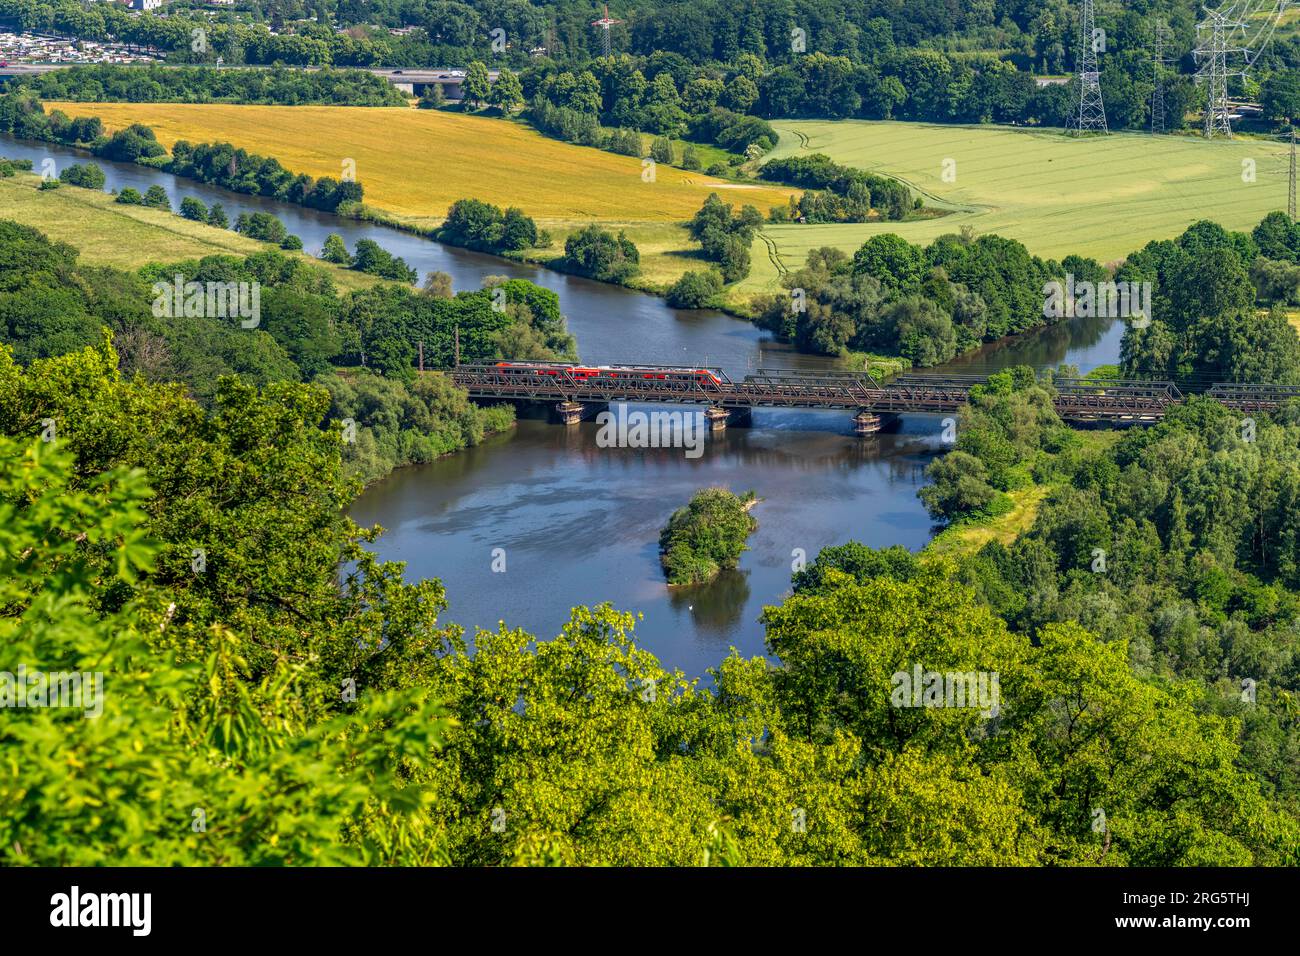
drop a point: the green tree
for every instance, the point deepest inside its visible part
(706, 536)
(156, 197)
(194, 209)
(506, 93)
(335, 250)
(599, 254)
(475, 89)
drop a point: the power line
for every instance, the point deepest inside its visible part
(1159, 60)
(1290, 200)
(1228, 42)
(1213, 54)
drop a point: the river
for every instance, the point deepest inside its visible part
(578, 524)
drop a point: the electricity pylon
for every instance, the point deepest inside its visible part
(1092, 112)
(605, 23)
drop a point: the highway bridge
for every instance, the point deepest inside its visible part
(410, 80)
(578, 390)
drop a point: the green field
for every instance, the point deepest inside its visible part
(1099, 197)
(108, 233)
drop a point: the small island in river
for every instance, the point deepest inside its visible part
(707, 536)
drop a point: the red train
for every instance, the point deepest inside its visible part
(584, 373)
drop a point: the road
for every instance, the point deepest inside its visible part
(412, 80)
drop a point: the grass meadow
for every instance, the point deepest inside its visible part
(108, 233)
(1102, 197)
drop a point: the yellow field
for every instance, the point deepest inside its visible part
(108, 233)
(415, 163)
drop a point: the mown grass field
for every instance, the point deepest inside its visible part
(1099, 197)
(127, 237)
(416, 163)
(966, 539)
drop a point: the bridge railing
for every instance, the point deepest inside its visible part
(1076, 398)
(562, 381)
(1246, 397)
(1129, 388)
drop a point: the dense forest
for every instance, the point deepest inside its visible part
(930, 60)
(1218, 300)
(308, 718)
(1176, 542)
(362, 346)
(157, 84)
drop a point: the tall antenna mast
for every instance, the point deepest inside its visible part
(605, 23)
(1092, 112)
(1159, 60)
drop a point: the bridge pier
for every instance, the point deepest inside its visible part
(571, 413)
(867, 423)
(720, 418)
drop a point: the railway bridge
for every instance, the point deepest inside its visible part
(579, 390)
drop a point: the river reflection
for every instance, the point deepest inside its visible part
(580, 524)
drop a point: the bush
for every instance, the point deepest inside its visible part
(336, 250)
(818, 171)
(626, 142)
(725, 237)
(261, 226)
(374, 260)
(135, 142)
(156, 197)
(88, 176)
(10, 166)
(599, 254)
(194, 209)
(480, 225)
(432, 98)
(694, 289)
(661, 150)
